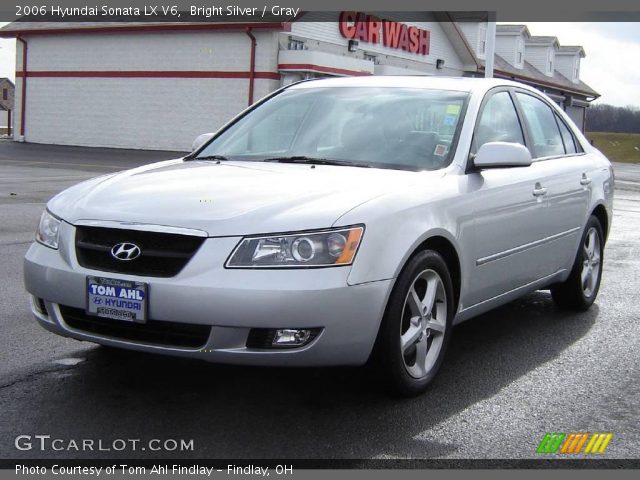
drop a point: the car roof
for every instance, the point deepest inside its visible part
(461, 84)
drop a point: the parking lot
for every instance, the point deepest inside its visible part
(510, 376)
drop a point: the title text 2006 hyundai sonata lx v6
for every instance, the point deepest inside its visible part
(334, 221)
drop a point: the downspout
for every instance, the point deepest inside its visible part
(23, 107)
(252, 65)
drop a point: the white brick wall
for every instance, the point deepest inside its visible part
(154, 113)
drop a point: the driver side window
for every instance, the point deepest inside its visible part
(547, 140)
(498, 122)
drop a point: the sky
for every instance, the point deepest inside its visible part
(610, 67)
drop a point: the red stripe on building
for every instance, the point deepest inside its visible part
(320, 68)
(144, 74)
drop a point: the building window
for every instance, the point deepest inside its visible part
(482, 40)
(576, 70)
(370, 58)
(550, 62)
(519, 52)
(295, 44)
(5, 94)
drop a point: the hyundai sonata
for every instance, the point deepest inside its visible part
(335, 221)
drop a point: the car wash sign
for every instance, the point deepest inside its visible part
(397, 35)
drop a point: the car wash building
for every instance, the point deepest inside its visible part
(159, 85)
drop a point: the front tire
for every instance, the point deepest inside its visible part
(580, 290)
(416, 328)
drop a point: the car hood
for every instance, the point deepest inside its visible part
(230, 198)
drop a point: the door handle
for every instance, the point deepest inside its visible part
(585, 180)
(539, 190)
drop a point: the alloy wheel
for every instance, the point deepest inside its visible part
(590, 262)
(424, 321)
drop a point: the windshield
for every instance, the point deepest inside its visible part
(385, 127)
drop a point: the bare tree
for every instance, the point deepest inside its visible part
(607, 118)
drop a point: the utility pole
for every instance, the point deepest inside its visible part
(490, 43)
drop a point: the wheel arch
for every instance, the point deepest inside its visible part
(439, 242)
(449, 252)
(600, 212)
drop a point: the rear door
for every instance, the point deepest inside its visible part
(564, 173)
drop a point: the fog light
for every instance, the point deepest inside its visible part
(40, 306)
(291, 337)
(270, 338)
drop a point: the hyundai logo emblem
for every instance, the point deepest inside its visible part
(125, 251)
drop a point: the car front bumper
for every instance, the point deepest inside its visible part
(232, 302)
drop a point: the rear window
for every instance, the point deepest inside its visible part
(570, 143)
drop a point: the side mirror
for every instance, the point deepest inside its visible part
(200, 140)
(502, 154)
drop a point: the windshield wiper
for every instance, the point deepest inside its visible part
(314, 161)
(211, 157)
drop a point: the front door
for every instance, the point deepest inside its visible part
(508, 205)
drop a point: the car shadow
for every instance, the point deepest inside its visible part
(243, 412)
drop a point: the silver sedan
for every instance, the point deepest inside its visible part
(335, 222)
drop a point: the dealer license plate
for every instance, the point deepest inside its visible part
(117, 299)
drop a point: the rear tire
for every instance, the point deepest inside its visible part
(416, 328)
(580, 290)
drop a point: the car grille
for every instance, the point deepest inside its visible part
(162, 254)
(154, 332)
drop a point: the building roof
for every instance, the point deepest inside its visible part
(571, 50)
(531, 74)
(543, 40)
(512, 30)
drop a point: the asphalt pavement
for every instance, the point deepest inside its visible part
(510, 376)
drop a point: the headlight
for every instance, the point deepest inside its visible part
(48, 228)
(305, 249)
